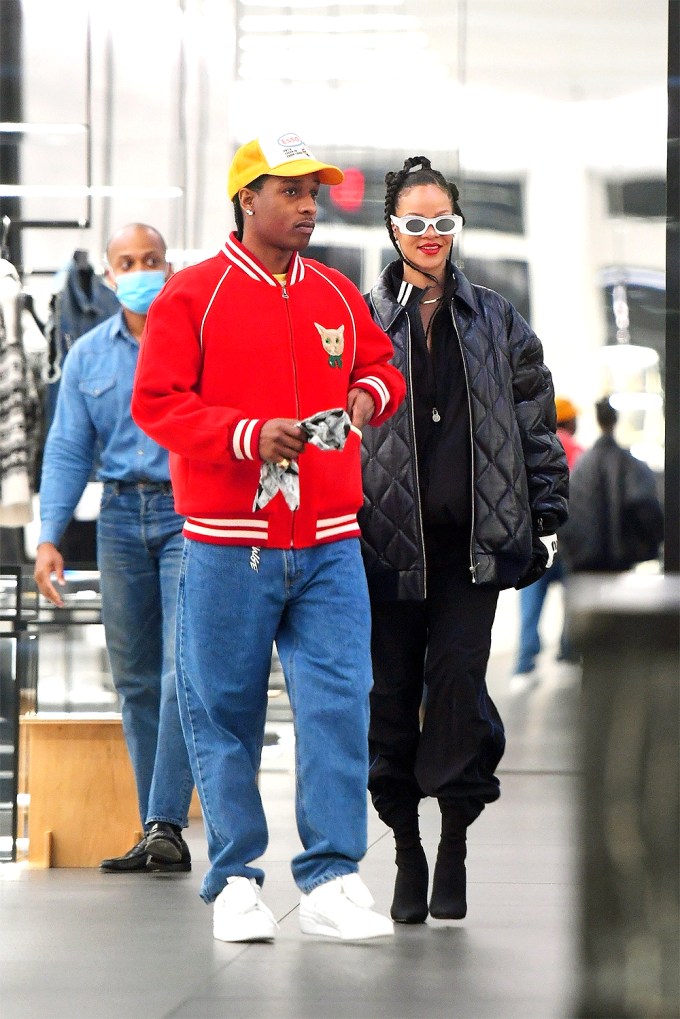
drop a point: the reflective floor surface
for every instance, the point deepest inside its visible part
(83, 943)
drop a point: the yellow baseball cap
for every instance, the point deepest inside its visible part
(285, 155)
(566, 410)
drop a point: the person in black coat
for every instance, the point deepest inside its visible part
(464, 489)
(615, 517)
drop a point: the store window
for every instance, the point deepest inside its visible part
(643, 198)
(496, 205)
(346, 260)
(505, 275)
(635, 309)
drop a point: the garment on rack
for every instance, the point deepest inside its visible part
(19, 407)
(81, 300)
(34, 344)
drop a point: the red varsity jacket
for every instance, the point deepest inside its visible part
(225, 348)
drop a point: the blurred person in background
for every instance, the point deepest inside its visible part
(464, 489)
(139, 543)
(532, 598)
(616, 517)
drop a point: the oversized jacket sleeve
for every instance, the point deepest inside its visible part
(371, 370)
(534, 396)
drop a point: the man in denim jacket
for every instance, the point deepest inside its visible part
(139, 543)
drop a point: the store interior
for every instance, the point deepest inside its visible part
(552, 117)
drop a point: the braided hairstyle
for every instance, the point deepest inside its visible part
(416, 170)
(255, 185)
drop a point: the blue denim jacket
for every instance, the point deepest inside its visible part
(93, 426)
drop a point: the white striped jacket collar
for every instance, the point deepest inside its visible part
(404, 294)
(242, 258)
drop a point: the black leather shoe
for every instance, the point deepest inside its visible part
(134, 860)
(166, 849)
(138, 861)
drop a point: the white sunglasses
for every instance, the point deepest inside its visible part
(416, 226)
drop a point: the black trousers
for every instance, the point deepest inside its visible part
(436, 651)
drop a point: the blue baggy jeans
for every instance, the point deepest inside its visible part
(139, 551)
(234, 603)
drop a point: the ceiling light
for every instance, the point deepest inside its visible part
(317, 46)
(629, 401)
(82, 191)
(327, 23)
(629, 357)
(15, 127)
(320, 4)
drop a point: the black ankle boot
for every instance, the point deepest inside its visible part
(448, 900)
(409, 904)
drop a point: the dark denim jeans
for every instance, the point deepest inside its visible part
(139, 550)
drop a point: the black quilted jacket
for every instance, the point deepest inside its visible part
(520, 474)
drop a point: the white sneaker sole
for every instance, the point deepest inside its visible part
(255, 927)
(311, 925)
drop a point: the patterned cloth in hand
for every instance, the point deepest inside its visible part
(327, 430)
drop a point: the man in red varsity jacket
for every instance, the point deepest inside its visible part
(238, 353)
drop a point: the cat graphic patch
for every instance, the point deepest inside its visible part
(333, 341)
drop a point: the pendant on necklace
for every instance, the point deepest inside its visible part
(435, 414)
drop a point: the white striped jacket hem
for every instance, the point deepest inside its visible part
(333, 526)
(228, 527)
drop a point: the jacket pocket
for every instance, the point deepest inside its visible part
(336, 483)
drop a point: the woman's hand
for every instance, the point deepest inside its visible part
(360, 407)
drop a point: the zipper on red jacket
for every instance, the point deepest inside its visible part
(286, 296)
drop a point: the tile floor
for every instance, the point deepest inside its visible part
(79, 943)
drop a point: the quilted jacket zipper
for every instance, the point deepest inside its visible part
(417, 501)
(473, 564)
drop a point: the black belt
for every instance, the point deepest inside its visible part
(141, 486)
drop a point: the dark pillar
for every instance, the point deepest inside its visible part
(628, 629)
(672, 472)
(11, 109)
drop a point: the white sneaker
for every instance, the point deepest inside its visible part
(523, 682)
(240, 915)
(341, 908)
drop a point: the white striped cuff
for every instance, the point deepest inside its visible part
(242, 439)
(379, 391)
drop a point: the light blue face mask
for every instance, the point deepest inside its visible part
(136, 290)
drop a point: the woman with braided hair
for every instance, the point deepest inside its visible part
(463, 490)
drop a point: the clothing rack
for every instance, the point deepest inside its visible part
(4, 237)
